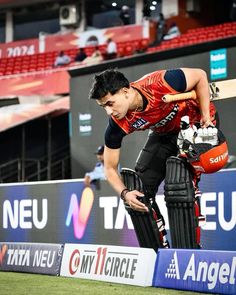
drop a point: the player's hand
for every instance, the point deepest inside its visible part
(206, 122)
(134, 203)
(87, 180)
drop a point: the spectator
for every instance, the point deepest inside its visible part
(81, 55)
(98, 172)
(95, 57)
(111, 50)
(146, 10)
(97, 53)
(173, 32)
(62, 59)
(124, 15)
(161, 28)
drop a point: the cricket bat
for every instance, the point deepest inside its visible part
(218, 90)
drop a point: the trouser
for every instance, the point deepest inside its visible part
(151, 163)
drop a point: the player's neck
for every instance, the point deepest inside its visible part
(137, 104)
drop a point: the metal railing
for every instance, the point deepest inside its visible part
(19, 170)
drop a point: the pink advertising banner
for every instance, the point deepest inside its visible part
(14, 115)
(46, 83)
(67, 41)
(19, 48)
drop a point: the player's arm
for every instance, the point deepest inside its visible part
(197, 79)
(113, 139)
(111, 161)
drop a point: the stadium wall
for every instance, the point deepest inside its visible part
(187, 269)
(30, 140)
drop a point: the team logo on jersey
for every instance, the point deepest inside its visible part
(139, 124)
(169, 117)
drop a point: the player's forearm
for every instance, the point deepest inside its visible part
(197, 79)
(203, 94)
(114, 179)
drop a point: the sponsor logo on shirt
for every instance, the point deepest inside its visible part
(140, 123)
(169, 117)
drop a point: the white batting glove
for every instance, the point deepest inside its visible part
(207, 135)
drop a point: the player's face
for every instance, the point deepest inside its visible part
(116, 105)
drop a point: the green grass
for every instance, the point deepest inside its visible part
(12, 283)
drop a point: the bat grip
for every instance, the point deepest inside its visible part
(179, 96)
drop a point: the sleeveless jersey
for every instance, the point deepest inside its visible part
(159, 116)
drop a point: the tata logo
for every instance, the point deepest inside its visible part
(211, 273)
(24, 214)
(27, 257)
(79, 213)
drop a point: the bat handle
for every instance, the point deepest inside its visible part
(180, 96)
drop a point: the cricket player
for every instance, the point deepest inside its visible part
(137, 106)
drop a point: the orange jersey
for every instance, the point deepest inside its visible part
(159, 116)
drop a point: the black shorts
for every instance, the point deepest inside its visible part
(151, 163)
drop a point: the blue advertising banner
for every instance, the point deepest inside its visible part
(64, 212)
(199, 270)
(218, 64)
(218, 204)
(68, 212)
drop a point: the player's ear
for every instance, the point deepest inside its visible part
(125, 91)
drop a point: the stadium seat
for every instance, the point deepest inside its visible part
(45, 61)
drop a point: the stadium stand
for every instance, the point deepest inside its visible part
(44, 61)
(198, 35)
(13, 70)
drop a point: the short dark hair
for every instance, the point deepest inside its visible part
(100, 150)
(108, 81)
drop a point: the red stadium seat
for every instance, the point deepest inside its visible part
(45, 61)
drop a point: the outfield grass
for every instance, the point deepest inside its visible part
(12, 283)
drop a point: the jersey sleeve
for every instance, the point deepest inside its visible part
(176, 79)
(113, 135)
